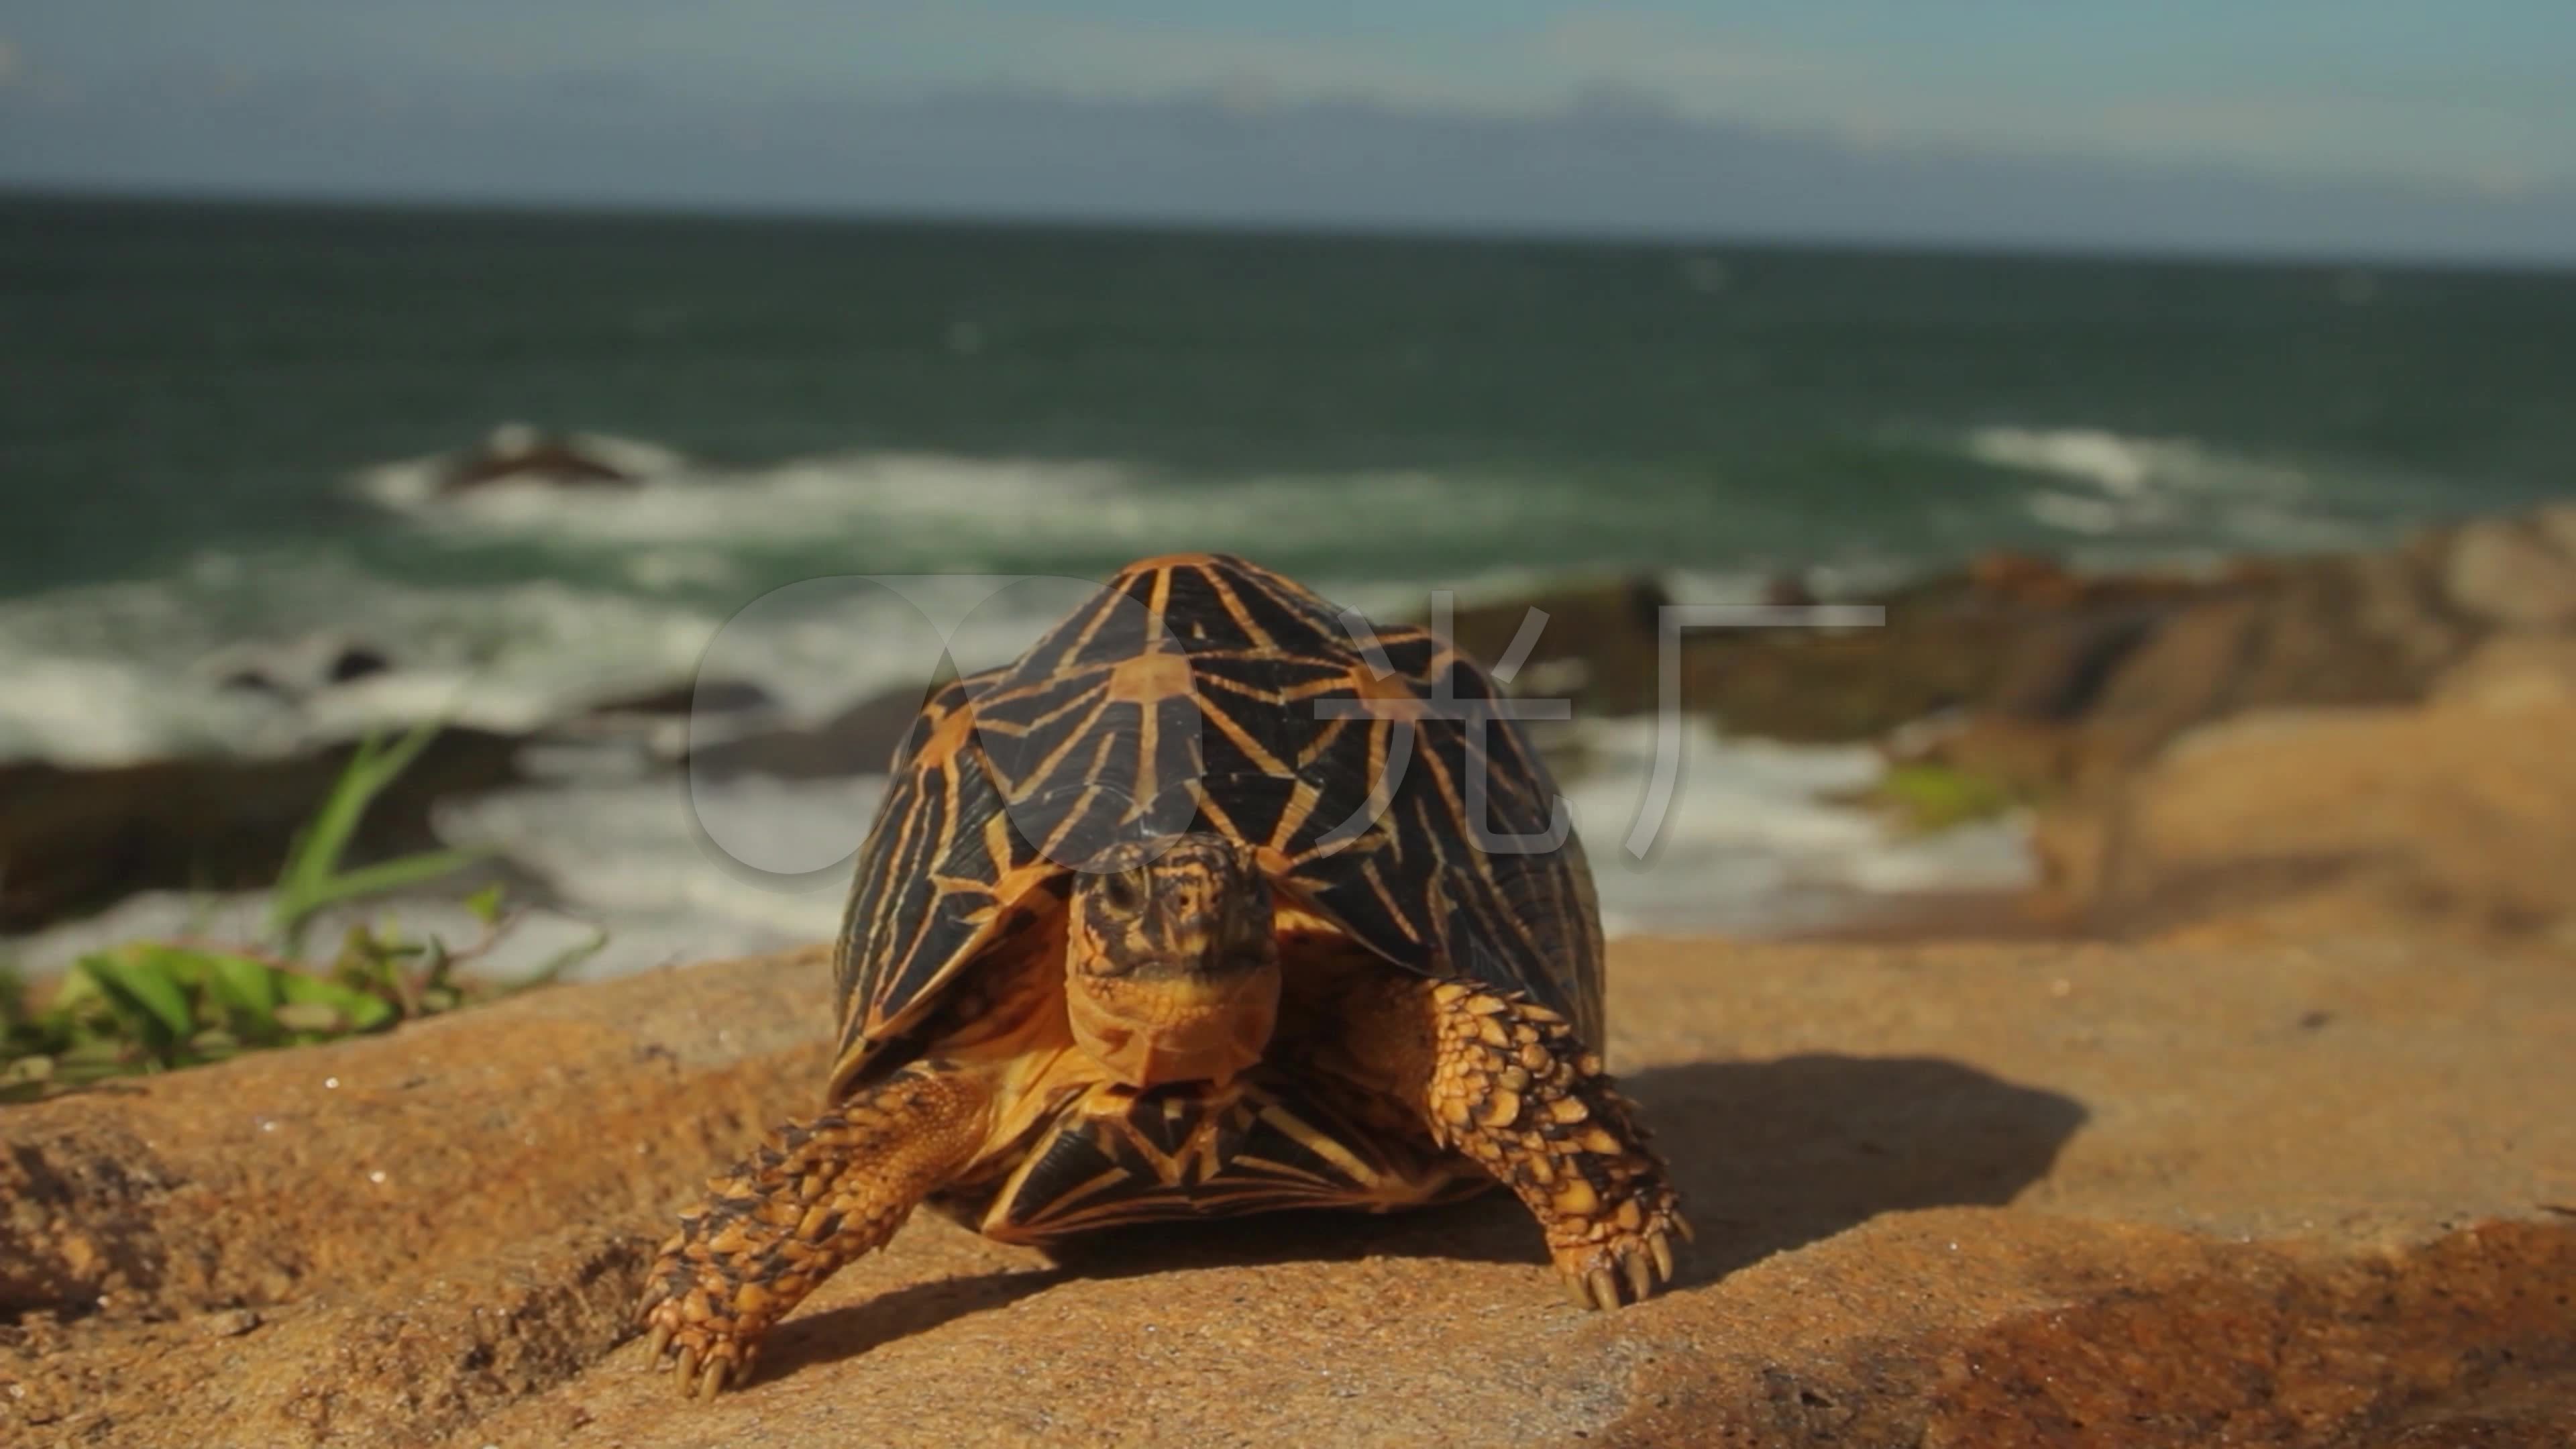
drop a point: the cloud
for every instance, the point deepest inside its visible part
(11, 68)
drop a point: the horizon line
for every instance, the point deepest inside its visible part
(19, 191)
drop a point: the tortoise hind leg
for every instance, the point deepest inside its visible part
(814, 1196)
(1506, 1082)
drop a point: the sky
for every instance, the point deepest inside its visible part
(2356, 126)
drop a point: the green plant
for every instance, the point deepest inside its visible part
(312, 878)
(147, 1006)
(1926, 797)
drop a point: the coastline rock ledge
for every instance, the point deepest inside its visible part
(2028, 1194)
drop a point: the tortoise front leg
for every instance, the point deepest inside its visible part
(814, 1196)
(1506, 1081)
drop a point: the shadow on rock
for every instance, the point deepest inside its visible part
(1769, 1156)
(1774, 1155)
(857, 1328)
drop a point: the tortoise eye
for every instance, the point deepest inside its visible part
(1124, 891)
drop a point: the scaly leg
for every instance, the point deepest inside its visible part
(813, 1197)
(1506, 1082)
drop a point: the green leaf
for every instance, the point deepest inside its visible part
(242, 984)
(140, 985)
(563, 961)
(311, 878)
(390, 875)
(364, 1010)
(486, 904)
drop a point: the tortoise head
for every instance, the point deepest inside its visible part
(1171, 966)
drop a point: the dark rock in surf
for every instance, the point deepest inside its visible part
(859, 740)
(711, 696)
(519, 454)
(76, 840)
(353, 662)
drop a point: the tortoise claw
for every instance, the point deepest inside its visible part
(702, 1363)
(1604, 1288)
(1622, 1268)
(1641, 1276)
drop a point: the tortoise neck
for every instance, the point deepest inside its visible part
(1146, 1032)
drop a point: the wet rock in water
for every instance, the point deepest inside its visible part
(706, 696)
(2024, 578)
(520, 454)
(1788, 591)
(253, 681)
(2139, 657)
(1596, 646)
(859, 740)
(74, 840)
(2039, 638)
(293, 670)
(2039, 1195)
(353, 662)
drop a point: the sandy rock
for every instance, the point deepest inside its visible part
(2514, 671)
(2457, 815)
(2520, 573)
(2038, 1195)
(2363, 629)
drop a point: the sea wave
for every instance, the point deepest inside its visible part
(681, 524)
(213, 661)
(2173, 493)
(1760, 838)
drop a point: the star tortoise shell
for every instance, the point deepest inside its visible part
(1204, 693)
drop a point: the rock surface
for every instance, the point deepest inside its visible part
(2459, 816)
(1998, 1195)
(2517, 572)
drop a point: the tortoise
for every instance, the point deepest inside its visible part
(1187, 912)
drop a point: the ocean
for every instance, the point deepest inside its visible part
(218, 427)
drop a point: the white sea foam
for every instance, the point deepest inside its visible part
(2109, 487)
(117, 672)
(1761, 837)
(679, 522)
(1758, 840)
(113, 673)
(676, 868)
(638, 858)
